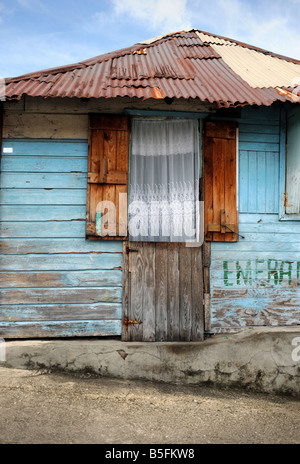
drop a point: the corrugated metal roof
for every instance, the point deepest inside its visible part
(186, 64)
(258, 69)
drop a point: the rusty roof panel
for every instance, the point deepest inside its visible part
(185, 65)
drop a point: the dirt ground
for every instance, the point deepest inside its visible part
(38, 407)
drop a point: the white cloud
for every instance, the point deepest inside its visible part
(161, 15)
(267, 24)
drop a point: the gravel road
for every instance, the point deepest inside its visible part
(38, 407)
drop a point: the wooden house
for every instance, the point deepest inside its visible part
(152, 193)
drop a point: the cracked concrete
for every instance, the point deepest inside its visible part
(264, 360)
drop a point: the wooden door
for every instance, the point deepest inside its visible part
(162, 292)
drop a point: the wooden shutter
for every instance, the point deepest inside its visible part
(108, 162)
(220, 181)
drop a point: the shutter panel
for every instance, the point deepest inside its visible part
(220, 181)
(108, 162)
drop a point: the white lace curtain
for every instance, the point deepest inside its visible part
(164, 181)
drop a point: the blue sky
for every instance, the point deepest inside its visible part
(39, 34)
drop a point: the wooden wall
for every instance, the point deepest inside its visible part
(53, 281)
(256, 281)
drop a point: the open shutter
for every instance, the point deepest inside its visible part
(220, 181)
(107, 189)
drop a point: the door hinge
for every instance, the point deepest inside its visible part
(131, 321)
(129, 250)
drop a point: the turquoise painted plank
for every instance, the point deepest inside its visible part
(286, 255)
(43, 180)
(61, 262)
(60, 329)
(28, 296)
(47, 147)
(258, 137)
(43, 164)
(41, 213)
(280, 227)
(272, 182)
(45, 229)
(258, 246)
(43, 196)
(42, 312)
(262, 193)
(260, 240)
(259, 146)
(56, 245)
(252, 177)
(67, 278)
(264, 113)
(258, 174)
(243, 181)
(260, 122)
(257, 218)
(258, 129)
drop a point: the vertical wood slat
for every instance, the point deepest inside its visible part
(125, 292)
(149, 328)
(137, 287)
(220, 181)
(185, 289)
(161, 291)
(164, 290)
(173, 292)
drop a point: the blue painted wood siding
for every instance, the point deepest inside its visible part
(256, 282)
(53, 281)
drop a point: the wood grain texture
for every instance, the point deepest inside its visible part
(220, 182)
(108, 168)
(256, 282)
(53, 281)
(164, 290)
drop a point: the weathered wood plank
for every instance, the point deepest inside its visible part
(56, 245)
(256, 292)
(173, 292)
(258, 312)
(94, 278)
(137, 286)
(61, 262)
(60, 329)
(60, 295)
(125, 292)
(266, 242)
(43, 180)
(56, 126)
(43, 164)
(185, 269)
(45, 147)
(43, 229)
(161, 291)
(41, 213)
(44, 196)
(60, 312)
(150, 270)
(197, 315)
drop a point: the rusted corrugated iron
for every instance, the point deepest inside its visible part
(181, 65)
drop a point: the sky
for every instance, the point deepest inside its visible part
(40, 34)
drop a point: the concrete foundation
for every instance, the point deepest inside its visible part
(262, 360)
